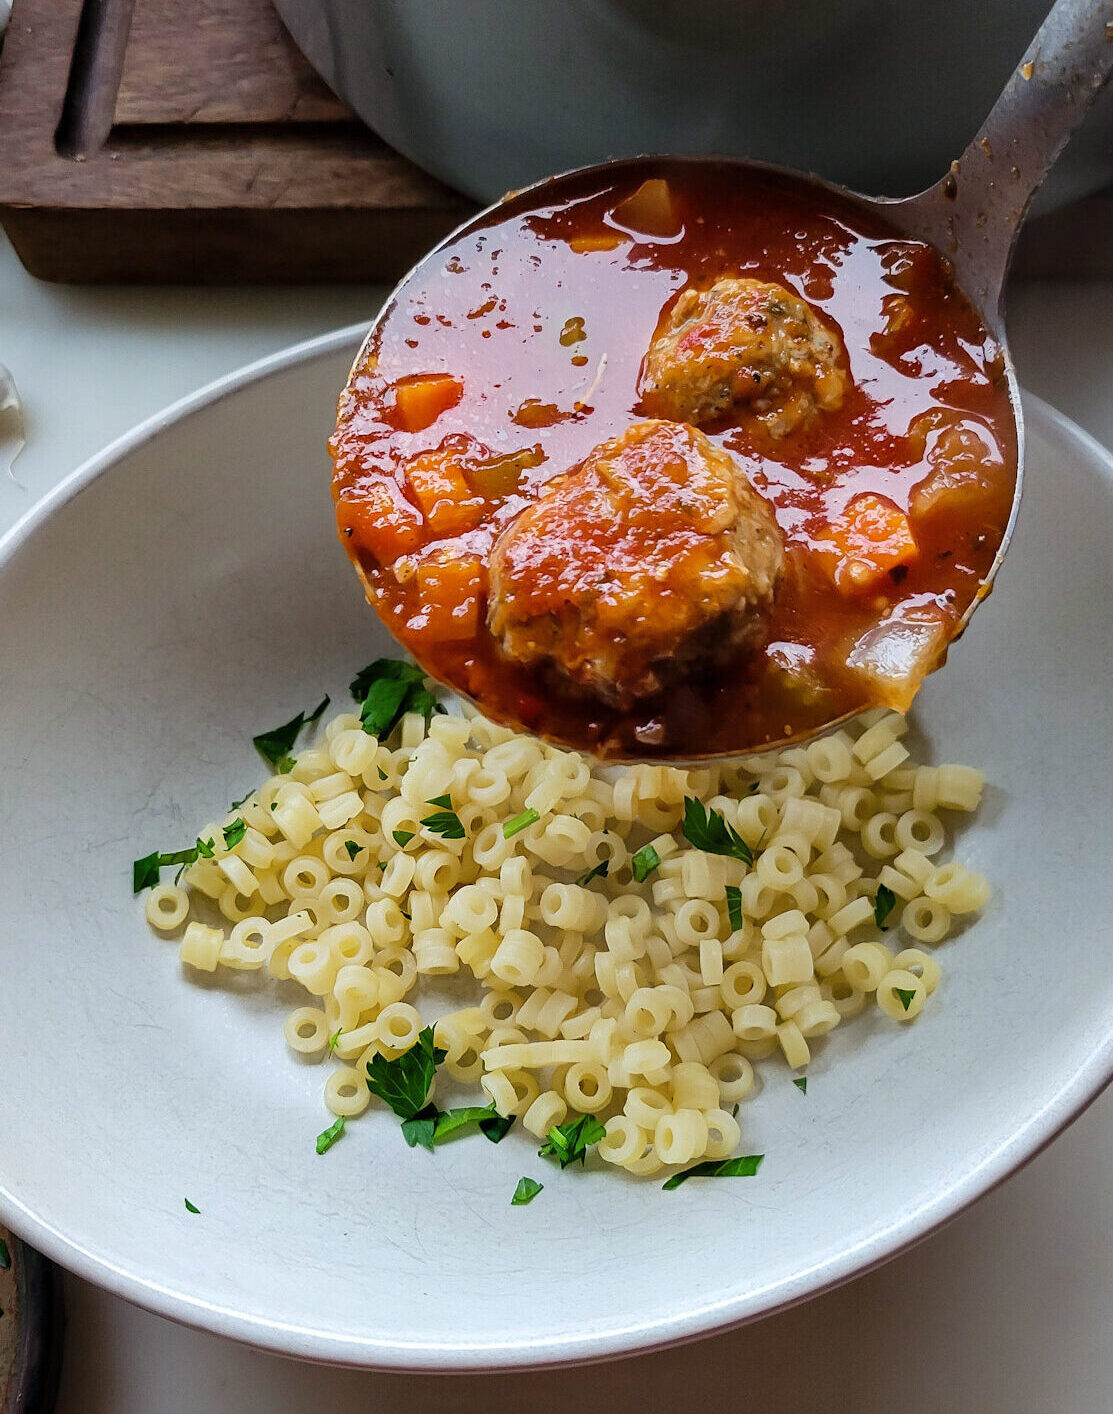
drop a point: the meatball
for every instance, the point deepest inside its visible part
(743, 342)
(651, 559)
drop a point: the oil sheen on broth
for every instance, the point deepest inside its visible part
(645, 381)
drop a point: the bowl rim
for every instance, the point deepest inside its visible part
(974, 1181)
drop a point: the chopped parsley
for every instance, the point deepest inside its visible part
(709, 831)
(444, 821)
(352, 848)
(526, 1191)
(191, 1207)
(745, 1166)
(334, 1039)
(276, 745)
(570, 1141)
(5, 1256)
(644, 862)
(519, 823)
(382, 774)
(328, 1137)
(884, 901)
(734, 908)
(404, 1082)
(801, 1083)
(402, 837)
(388, 688)
(599, 872)
(145, 871)
(906, 997)
(234, 832)
(242, 800)
(430, 1126)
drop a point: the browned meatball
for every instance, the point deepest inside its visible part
(653, 557)
(743, 342)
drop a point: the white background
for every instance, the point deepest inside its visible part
(1008, 1311)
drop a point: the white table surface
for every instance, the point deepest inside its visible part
(1008, 1311)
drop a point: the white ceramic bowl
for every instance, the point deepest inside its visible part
(185, 590)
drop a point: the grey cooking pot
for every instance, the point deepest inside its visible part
(493, 94)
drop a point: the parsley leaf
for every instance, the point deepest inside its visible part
(275, 746)
(526, 1191)
(396, 668)
(422, 1128)
(644, 862)
(444, 822)
(519, 823)
(334, 1039)
(352, 848)
(234, 832)
(404, 1081)
(884, 902)
(709, 831)
(242, 800)
(801, 1083)
(496, 1127)
(5, 1256)
(328, 1137)
(906, 998)
(745, 1166)
(144, 872)
(388, 688)
(734, 908)
(402, 837)
(569, 1141)
(599, 872)
(190, 1207)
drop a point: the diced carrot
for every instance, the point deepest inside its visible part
(379, 519)
(422, 399)
(650, 210)
(501, 476)
(451, 600)
(603, 240)
(870, 538)
(440, 489)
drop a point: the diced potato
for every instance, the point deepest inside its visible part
(451, 598)
(421, 400)
(379, 519)
(871, 538)
(603, 240)
(650, 211)
(896, 654)
(441, 490)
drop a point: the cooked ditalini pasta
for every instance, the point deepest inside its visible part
(627, 969)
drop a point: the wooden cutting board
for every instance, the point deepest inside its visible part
(189, 141)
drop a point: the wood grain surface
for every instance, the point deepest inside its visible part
(189, 141)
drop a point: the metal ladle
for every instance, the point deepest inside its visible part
(974, 214)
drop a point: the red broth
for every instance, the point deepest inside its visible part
(519, 343)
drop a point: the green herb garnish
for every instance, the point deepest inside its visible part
(234, 832)
(743, 1167)
(444, 822)
(190, 1207)
(526, 1191)
(801, 1083)
(388, 688)
(709, 831)
(402, 837)
(242, 800)
(644, 862)
(421, 1128)
(906, 998)
(570, 1141)
(352, 848)
(145, 871)
(404, 1082)
(519, 823)
(734, 907)
(884, 901)
(599, 872)
(430, 1126)
(334, 1039)
(275, 746)
(328, 1137)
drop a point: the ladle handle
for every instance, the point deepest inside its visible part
(973, 215)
